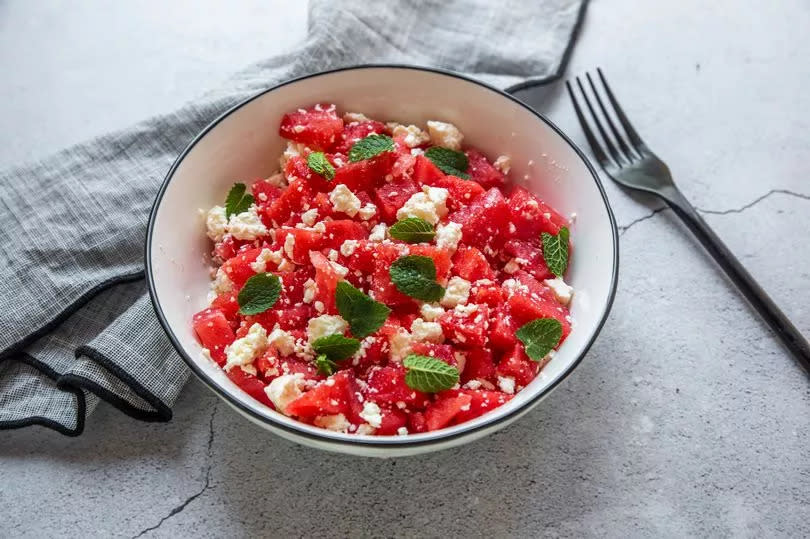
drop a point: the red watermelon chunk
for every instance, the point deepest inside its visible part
(326, 279)
(469, 329)
(460, 192)
(227, 304)
(440, 257)
(390, 197)
(291, 200)
(386, 385)
(238, 268)
(440, 413)
(335, 395)
(354, 131)
(480, 365)
(482, 171)
(523, 310)
(490, 294)
(250, 384)
(318, 127)
(392, 420)
(484, 222)
(529, 257)
(365, 175)
(425, 172)
(531, 216)
(304, 242)
(214, 332)
(264, 192)
(502, 330)
(481, 402)
(336, 232)
(469, 263)
(516, 364)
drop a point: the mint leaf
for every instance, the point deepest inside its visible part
(415, 276)
(325, 366)
(259, 293)
(555, 251)
(429, 374)
(336, 347)
(412, 230)
(449, 161)
(370, 146)
(539, 337)
(238, 200)
(364, 315)
(319, 164)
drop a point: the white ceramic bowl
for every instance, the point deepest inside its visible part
(244, 144)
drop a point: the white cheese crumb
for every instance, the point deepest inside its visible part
(430, 312)
(503, 163)
(247, 225)
(294, 149)
(457, 292)
(347, 247)
(402, 431)
(285, 389)
(343, 200)
(413, 135)
(473, 384)
(429, 205)
(448, 236)
(309, 216)
(337, 423)
(350, 117)
(310, 289)
(277, 180)
(260, 264)
(319, 227)
(324, 325)
(222, 283)
(332, 255)
(286, 266)
(562, 291)
(512, 266)
(216, 223)
(427, 331)
(319, 306)
(289, 245)
(365, 428)
(367, 212)
(506, 384)
(400, 343)
(244, 350)
(372, 414)
(378, 232)
(282, 340)
(339, 269)
(445, 135)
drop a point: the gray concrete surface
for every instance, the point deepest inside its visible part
(686, 419)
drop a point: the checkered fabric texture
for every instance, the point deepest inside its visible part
(76, 322)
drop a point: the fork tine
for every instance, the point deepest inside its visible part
(598, 152)
(611, 148)
(638, 144)
(628, 154)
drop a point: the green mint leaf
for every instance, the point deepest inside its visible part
(412, 230)
(429, 374)
(336, 347)
(415, 276)
(370, 146)
(364, 315)
(539, 337)
(238, 200)
(259, 293)
(555, 251)
(325, 366)
(449, 161)
(319, 164)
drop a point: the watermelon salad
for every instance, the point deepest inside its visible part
(388, 279)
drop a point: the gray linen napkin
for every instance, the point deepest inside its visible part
(76, 324)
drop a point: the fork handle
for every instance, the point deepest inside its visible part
(759, 299)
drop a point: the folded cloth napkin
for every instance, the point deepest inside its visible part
(76, 323)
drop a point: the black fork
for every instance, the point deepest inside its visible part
(630, 162)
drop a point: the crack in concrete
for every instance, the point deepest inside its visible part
(625, 228)
(206, 485)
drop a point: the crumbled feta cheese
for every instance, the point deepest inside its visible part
(284, 389)
(332, 255)
(512, 266)
(402, 431)
(320, 226)
(458, 290)
(216, 223)
(562, 291)
(286, 266)
(400, 343)
(430, 312)
(372, 414)
(464, 310)
(282, 340)
(244, 350)
(339, 269)
(429, 205)
(289, 245)
(350, 117)
(206, 353)
(445, 135)
(337, 422)
(503, 163)
(427, 331)
(417, 151)
(276, 180)
(365, 428)
(319, 306)
(343, 200)
(309, 216)
(506, 384)
(348, 247)
(367, 212)
(310, 289)
(294, 149)
(412, 135)
(324, 325)
(448, 236)
(247, 225)
(222, 283)
(461, 360)
(260, 264)
(378, 232)
(473, 384)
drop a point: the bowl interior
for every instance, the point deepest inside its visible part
(244, 145)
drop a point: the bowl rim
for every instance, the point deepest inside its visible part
(387, 441)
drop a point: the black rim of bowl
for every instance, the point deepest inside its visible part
(389, 441)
